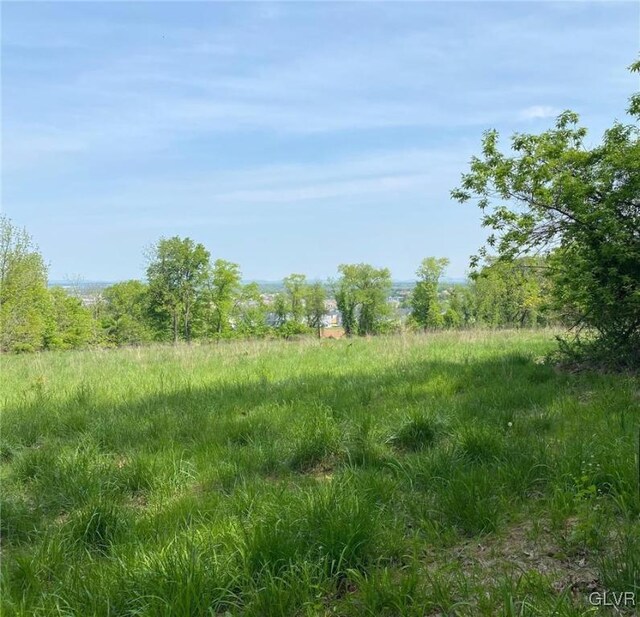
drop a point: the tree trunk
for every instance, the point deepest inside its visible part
(175, 327)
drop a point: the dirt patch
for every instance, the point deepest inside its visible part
(323, 472)
(522, 549)
(138, 500)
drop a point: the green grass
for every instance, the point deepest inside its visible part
(451, 474)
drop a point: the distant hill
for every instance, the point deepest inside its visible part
(265, 285)
(81, 285)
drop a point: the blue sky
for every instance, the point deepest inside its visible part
(288, 137)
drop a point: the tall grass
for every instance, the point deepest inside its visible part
(407, 475)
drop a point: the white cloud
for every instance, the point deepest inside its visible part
(148, 97)
(177, 83)
(227, 197)
(27, 148)
(536, 112)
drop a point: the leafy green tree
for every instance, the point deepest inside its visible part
(177, 273)
(70, 323)
(295, 286)
(24, 301)
(292, 328)
(316, 296)
(361, 295)
(280, 309)
(451, 318)
(555, 193)
(512, 293)
(250, 311)
(425, 306)
(461, 306)
(125, 314)
(346, 294)
(223, 294)
(374, 289)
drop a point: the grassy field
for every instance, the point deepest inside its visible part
(448, 474)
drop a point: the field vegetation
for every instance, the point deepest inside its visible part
(451, 473)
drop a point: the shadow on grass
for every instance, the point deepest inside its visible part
(423, 452)
(486, 412)
(491, 390)
(75, 451)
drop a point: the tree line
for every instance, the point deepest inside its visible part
(188, 296)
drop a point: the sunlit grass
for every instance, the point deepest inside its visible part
(316, 478)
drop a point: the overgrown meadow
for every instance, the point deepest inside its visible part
(438, 474)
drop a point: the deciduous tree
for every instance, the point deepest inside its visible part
(223, 293)
(557, 194)
(280, 309)
(361, 294)
(425, 307)
(512, 293)
(70, 324)
(250, 311)
(24, 301)
(316, 296)
(295, 286)
(177, 272)
(125, 313)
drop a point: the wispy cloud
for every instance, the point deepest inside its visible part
(536, 112)
(132, 120)
(179, 82)
(265, 191)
